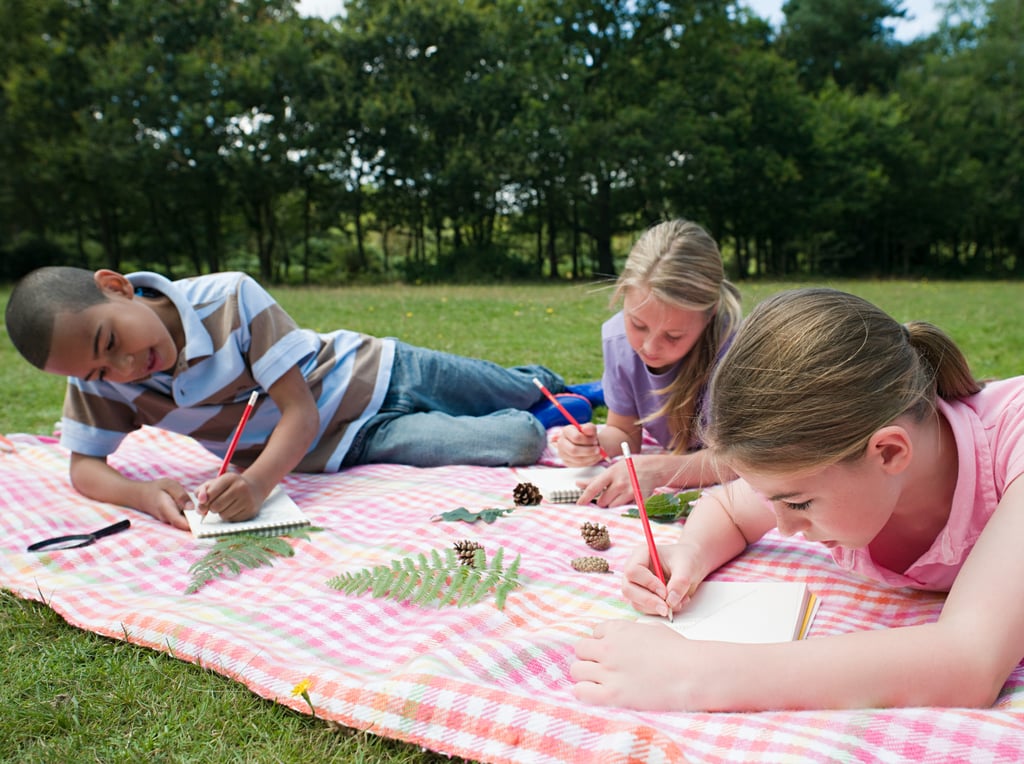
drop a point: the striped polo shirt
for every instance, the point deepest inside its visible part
(237, 339)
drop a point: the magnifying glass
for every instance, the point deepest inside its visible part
(78, 539)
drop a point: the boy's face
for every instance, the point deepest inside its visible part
(120, 340)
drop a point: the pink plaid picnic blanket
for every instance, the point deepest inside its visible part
(477, 682)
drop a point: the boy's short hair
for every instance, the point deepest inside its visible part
(38, 298)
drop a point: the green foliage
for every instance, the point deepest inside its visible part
(464, 515)
(504, 140)
(232, 554)
(438, 580)
(666, 507)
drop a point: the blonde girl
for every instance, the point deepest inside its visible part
(678, 313)
(874, 439)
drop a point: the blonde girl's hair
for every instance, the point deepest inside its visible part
(813, 373)
(679, 263)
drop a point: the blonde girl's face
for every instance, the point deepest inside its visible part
(660, 333)
(846, 504)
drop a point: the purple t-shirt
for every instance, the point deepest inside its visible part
(989, 432)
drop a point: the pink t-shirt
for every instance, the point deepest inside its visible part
(989, 432)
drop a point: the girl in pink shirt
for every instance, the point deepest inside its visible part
(874, 439)
(678, 313)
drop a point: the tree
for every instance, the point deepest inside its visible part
(846, 41)
(967, 106)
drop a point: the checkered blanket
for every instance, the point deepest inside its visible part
(477, 682)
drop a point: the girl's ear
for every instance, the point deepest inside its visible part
(891, 448)
(112, 283)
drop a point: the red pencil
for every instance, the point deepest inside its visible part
(234, 438)
(655, 560)
(238, 432)
(565, 413)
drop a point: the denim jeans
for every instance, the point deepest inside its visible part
(447, 409)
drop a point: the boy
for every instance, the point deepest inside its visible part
(139, 349)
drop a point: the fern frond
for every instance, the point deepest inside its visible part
(235, 553)
(471, 589)
(432, 580)
(404, 584)
(438, 580)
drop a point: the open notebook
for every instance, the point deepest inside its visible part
(745, 611)
(277, 515)
(558, 484)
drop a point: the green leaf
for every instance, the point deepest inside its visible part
(463, 514)
(666, 507)
(440, 580)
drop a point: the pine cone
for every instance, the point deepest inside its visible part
(590, 564)
(465, 550)
(526, 494)
(596, 536)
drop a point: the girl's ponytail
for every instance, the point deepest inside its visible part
(953, 378)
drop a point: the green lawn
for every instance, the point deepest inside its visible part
(71, 696)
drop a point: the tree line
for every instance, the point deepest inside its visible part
(508, 138)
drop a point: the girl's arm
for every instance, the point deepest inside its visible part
(619, 428)
(963, 659)
(693, 470)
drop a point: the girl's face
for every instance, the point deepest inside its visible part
(846, 504)
(661, 334)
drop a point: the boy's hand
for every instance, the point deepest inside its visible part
(579, 449)
(231, 496)
(166, 500)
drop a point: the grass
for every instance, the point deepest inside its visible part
(73, 696)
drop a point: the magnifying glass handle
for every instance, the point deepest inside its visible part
(112, 529)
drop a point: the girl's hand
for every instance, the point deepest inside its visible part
(231, 496)
(166, 500)
(646, 666)
(613, 488)
(579, 449)
(645, 591)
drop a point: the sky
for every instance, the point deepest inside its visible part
(924, 17)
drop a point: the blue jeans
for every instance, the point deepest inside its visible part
(447, 409)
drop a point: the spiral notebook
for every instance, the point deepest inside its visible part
(277, 515)
(558, 484)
